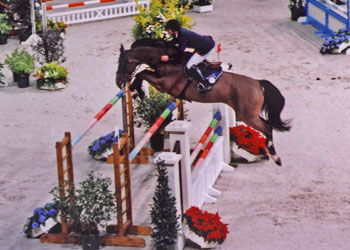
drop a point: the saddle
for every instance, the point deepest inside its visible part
(211, 70)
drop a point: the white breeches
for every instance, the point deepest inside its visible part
(196, 59)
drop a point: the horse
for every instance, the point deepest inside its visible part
(257, 103)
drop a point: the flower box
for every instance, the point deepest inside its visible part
(49, 223)
(203, 8)
(56, 86)
(204, 228)
(245, 154)
(248, 143)
(197, 239)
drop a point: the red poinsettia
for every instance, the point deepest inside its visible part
(206, 225)
(249, 139)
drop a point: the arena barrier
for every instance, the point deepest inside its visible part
(71, 13)
(327, 16)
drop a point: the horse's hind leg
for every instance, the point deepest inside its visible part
(259, 124)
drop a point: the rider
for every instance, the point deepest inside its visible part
(202, 45)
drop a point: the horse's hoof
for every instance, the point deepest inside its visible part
(277, 160)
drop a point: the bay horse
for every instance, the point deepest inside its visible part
(248, 97)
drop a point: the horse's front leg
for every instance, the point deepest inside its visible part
(155, 79)
(137, 85)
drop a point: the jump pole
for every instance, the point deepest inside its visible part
(98, 117)
(210, 144)
(151, 131)
(205, 136)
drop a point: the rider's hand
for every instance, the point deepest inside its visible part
(164, 58)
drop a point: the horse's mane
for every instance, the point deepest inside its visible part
(169, 46)
(150, 42)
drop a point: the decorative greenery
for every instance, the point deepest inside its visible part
(103, 144)
(164, 220)
(5, 27)
(41, 214)
(90, 206)
(249, 139)
(334, 41)
(50, 47)
(20, 62)
(150, 23)
(206, 225)
(202, 2)
(298, 4)
(146, 112)
(1, 74)
(21, 12)
(59, 26)
(50, 74)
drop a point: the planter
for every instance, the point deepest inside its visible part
(249, 157)
(49, 223)
(203, 8)
(3, 39)
(23, 81)
(54, 86)
(15, 76)
(295, 13)
(197, 239)
(90, 242)
(157, 142)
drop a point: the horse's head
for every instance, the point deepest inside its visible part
(126, 68)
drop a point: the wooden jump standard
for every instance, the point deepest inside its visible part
(117, 234)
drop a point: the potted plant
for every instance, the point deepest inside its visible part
(297, 9)
(248, 143)
(43, 219)
(21, 63)
(2, 75)
(164, 219)
(150, 22)
(337, 43)
(89, 207)
(51, 76)
(101, 148)
(204, 228)
(146, 113)
(202, 5)
(5, 27)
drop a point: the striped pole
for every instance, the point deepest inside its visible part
(98, 117)
(210, 144)
(151, 131)
(77, 4)
(205, 136)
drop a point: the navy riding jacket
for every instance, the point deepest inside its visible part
(190, 39)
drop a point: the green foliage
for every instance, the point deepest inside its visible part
(163, 211)
(20, 62)
(89, 206)
(5, 27)
(146, 112)
(150, 23)
(51, 73)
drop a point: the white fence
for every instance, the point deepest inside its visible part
(96, 13)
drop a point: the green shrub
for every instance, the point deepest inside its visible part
(20, 62)
(150, 23)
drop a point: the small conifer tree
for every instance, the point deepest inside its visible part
(163, 212)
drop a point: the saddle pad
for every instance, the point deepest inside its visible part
(212, 75)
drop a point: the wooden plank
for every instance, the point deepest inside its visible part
(134, 230)
(127, 241)
(61, 238)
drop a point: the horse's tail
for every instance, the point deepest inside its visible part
(273, 106)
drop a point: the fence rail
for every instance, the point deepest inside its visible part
(89, 14)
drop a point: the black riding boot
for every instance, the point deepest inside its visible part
(196, 74)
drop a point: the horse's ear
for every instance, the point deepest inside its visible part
(122, 50)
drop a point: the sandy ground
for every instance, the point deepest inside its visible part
(301, 206)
